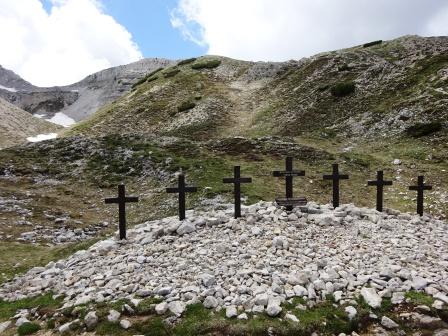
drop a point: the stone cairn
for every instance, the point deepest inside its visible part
(254, 258)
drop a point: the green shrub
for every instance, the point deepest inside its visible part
(206, 64)
(421, 129)
(323, 87)
(146, 78)
(187, 105)
(343, 89)
(343, 67)
(171, 72)
(187, 61)
(366, 45)
(28, 328)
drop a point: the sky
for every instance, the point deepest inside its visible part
(59, 42)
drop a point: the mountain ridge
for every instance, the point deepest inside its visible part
(77, 100)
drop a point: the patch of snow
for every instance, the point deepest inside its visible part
(8, 89)
(62, 119)
(42, 137)
(40, 116)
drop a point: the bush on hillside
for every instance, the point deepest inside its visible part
(28, 328)
(421, 129)
(206, 64)
(343, 89)
(186, 105)
(148, 77)
(343, 67)
(187, 61)
(171, 72)
(369, 44)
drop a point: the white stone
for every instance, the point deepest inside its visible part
(351, 312)
(113, 316)
(161, 308)
(4, 325)
(185, 228)
(397, 297)
(388, 323)
(419, 283)
(210, 302)
(371, 297)
(21, 320)
(438, 304)
(242, 316)
(300, 290)
(292, 318)
(91, 320)
(231, 311)
(261, 299)
(177, 307)
(125, 324)
(207, 279)
(440, 296)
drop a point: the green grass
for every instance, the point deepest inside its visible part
(109, 328)
(28, 328)
(145, 306)
(44, 302)
(206, 64)
(419, 298)
(33, 255)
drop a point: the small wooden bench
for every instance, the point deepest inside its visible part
(295, 201)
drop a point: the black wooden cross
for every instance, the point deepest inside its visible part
(335, 177)
(420, 187)
(379, 183)
(288, 174)
(121, 200)
(237, 180)
(181, 190)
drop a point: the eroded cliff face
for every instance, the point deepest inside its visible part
(79, 100)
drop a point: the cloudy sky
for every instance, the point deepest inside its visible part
(57, 42)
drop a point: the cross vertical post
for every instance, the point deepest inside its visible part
(335, 177)
(288, 174)
(121, 200)
(420, 188)
(379, 183)
(181, 190)
(237, 180)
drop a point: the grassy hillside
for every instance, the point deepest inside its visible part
(16, 125)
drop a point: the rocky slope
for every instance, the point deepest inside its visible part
(264, 263)
(17, 125)
(79, 100)
(395, 88)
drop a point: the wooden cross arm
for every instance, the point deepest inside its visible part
(110, 200)
(172, 190)
(340, 177)
(191, 189)
(131, 199)
(277, 173)
(375, 183)
(424, 187)
(237, 180)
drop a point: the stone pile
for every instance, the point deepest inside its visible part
(255, 263)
